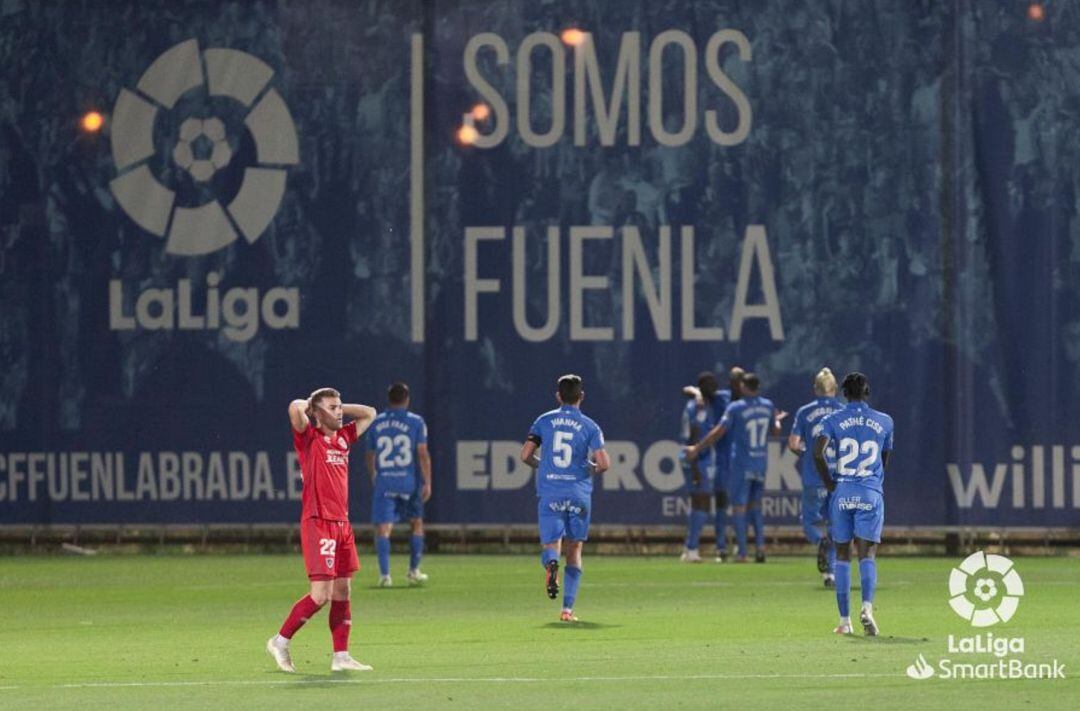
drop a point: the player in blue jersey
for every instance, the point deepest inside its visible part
(721, 452)
(571, 450)
(863, 440)
(750, 421)
(396, 442)
(698, 417)
(815, 499)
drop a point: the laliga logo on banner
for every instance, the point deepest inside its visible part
(237, 82)
(229, 73)
(993, 583)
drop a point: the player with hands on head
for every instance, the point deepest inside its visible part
(322, 443)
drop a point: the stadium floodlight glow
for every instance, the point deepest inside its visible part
(574, 37)
(92, 121)
(481, 112)
(467, 134)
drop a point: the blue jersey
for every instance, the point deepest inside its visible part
(696, 423)
(748, 422)
(566, 438)
(723, 445)
(860, 434)
(393, 437)
(807, 425)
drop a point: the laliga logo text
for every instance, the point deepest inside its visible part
(985, 590)
(203, 145)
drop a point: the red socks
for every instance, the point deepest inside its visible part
(302, 611)
(340, 624)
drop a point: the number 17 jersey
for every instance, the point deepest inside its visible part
(566, 437)
(860, 434)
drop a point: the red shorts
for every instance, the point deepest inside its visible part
(329, 549)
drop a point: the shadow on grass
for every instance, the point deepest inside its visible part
(887, 639)
(580, 625)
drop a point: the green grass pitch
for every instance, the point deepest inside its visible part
(177, 632)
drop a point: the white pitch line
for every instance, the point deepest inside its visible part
(443, 680)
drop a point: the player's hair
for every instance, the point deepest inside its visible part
(856, 386)
(751, 382)
(570, 389)
(398, 393)
(708, 384)
(824, 383)
(322, 393)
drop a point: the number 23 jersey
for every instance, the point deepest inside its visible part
(393, 437)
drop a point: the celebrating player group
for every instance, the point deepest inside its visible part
(843, 452)
(843, 499)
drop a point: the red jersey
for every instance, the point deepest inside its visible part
(324, 465)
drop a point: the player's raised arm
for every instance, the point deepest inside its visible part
(363, 414)
(819, 462)
(299, 414)
(778, 417)
(424, 456)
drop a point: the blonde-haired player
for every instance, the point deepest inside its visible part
(815, 501)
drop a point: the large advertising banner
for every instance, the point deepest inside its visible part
(479, 197)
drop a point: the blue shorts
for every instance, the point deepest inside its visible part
(748, 490)
(815, 505)
(563, 518)
(394, 507)
(706, 468)
(857, 511)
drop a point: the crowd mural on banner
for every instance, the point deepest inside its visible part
(282, 197)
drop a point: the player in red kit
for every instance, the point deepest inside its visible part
(322, 443)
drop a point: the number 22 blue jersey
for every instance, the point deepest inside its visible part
(860, 434)
(566, 438)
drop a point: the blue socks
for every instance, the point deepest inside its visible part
(758, 517)
(571, 580)
(548, 555)
(843, 587)
(416, 549)
(721, 529)
(382, 550)
(867, 578)
(693, 533)
(740, 532)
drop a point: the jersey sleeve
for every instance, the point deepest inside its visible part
(301, 439)
(421, 431)
(596, 439)
(725, 419)
(535, 432)
(887, 445)
(798, 425)
(688, 413)
(349, 432)
(827, 429)
(368, 438)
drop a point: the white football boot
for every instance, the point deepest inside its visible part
(344, 662)
(278, 647)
